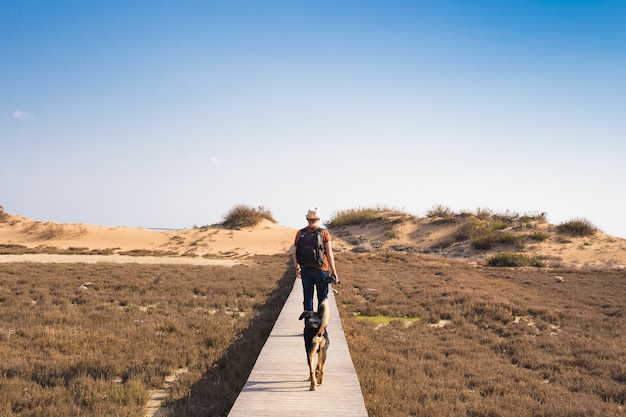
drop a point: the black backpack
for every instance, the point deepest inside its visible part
(310, 248)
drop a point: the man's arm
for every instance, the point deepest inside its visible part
(294, 257)
(328, 246)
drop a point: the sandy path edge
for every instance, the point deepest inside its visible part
(119, 259)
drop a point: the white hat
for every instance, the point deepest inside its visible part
(313, 214)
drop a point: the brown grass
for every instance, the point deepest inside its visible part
(14, 249)
(518, 343)
(51, 230)
(92, 340)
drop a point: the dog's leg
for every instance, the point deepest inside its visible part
(310, 359)
(321, 359)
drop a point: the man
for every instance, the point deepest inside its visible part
(315, 276)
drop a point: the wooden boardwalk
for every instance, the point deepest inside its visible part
(278, 384)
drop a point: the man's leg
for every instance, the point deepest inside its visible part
(308, 284)
(321, 286)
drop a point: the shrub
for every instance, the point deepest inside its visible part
(512, 239)
(242, 215)
(484, 242)
(514, 260)
(488, 240)
(577, 227)
(510, 218)
(498, 225)
(483, 213)
(52, 230)
(465, 214)
(539, 236)
(537, 217)
(507, 218)
(358, 216)
(439, 211)
(470, 228)
(480, 233)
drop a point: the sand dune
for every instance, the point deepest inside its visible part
(208, 244)
(266, 238)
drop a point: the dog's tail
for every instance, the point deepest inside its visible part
(323, 310)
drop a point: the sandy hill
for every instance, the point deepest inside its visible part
(401, 232)
(398, 232)
(267, 238)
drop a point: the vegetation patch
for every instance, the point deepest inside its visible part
(147, 252)
(482, 228)
(539, 236)
(486, 230)
(441, 214)
(4, 216)
(514, 260)
(242, 215)
(488, 240)
(577, 227)
(516, 342)
(362, 216)
(52, 230)
(384, 320)
(93, 340)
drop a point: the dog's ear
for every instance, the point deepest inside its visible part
(306, 314)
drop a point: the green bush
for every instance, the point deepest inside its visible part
(577, 227)
(514, 260)
(242, 215)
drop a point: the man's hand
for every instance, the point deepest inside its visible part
(333, 279)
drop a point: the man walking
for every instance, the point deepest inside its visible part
(314, 259)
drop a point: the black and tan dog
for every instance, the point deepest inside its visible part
(316, 341)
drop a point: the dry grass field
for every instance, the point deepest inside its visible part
(433, 331)
(488, 342)
(93, 340)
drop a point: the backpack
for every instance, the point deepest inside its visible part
(310, 248)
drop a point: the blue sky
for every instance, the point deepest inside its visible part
(168, 113)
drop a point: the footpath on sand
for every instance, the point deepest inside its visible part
(278, 384)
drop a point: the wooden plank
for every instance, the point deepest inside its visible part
(278, 384)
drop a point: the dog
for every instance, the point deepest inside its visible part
(316, 341)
